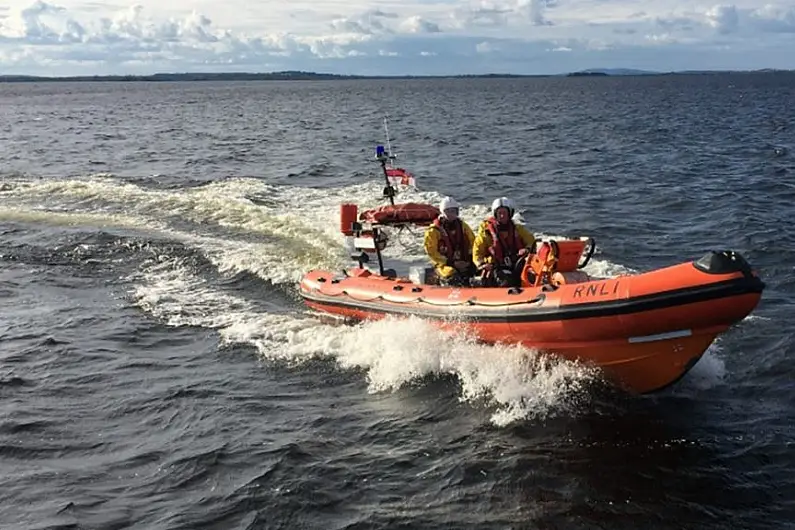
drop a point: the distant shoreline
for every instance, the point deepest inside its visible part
(313, 76)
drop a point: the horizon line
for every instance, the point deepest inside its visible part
(309, 75)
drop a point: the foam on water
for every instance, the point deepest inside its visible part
(299, 226)
(517, 381)
(279, 233)
(72, 219)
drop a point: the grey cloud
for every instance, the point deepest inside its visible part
(367, 23)
(774, 20)
(724, 18)
(483, 17)
(534, 10)
(675, 23)
(384, 14)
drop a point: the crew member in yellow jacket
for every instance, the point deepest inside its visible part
(448, 243)
(500, 244)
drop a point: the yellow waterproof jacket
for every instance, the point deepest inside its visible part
(480, 249)
(433, 238)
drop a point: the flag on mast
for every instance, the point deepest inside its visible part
(398, 175)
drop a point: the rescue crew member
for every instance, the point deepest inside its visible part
(500, 244)
(448, 243)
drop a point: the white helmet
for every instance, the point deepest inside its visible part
(447, 202)
(502, 201)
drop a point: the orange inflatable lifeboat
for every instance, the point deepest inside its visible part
(645, 331)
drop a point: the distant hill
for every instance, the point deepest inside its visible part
(586, 74)
(612, 71)
(294, 75)
(197, 76)
(248, 76)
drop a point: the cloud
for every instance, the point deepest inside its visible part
(407, 37)
(676, 23)
(486, 47)
(480, 17)
(417, 24)
(31, 24)
(774, 19)
(533, 10)
(724, 18)
(368, 23)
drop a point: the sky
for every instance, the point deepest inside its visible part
(406, 37)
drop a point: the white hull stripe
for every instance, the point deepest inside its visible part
(662, 336)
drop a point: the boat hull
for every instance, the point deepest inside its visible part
(644, 331)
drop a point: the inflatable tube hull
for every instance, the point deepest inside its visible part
(644, 331)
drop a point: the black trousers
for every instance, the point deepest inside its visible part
(501, 277)
(460, 279)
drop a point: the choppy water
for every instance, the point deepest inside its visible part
(158, 371)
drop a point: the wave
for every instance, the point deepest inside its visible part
(277, 233)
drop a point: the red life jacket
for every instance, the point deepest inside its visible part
(504, 250)
(455, 248)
